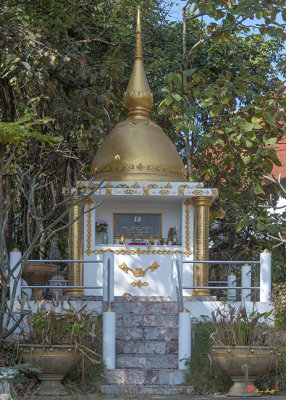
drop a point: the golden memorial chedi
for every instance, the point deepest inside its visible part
(137, 149)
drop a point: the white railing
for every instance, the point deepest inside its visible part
(230, 285)
(107, 287)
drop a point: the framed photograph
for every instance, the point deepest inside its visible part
(137, 225)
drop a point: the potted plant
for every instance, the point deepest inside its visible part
(241, 348)
(56, 343)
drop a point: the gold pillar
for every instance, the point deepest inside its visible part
(201, 245)
(75, 245)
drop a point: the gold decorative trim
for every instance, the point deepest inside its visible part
(187, 228)
(108, 191)
(168, 186)
(139, 284)
(197, 192)
(184, 187)
(199, 185)
(122, 185)
(164, 191)
(139, 272)
(136, 185)
(214, 192)
(130, 191)
(137, 252)
(88, 227)
(181, 191)
(146, 192)
(152, 186)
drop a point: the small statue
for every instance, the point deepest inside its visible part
(122, 239)
(151, 240)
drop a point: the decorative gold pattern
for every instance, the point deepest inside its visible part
(136, 185)
(197, 192)
(146, 192)
(214, 192)
(123, 169)
(152, 186)
(108, 185)
(130, 191)
(187, 228)
(164, 191)
(184, 187)
(168, 186)
(181, 192)
(88, 228)
(201, 271)
(139, 272)
(199, 185)
(122, 185)
(139, 284)
(137, 252)
(108, 191)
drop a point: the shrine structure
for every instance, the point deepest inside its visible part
(144, 193)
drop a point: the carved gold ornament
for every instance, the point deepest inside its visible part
(139, 272)
(164, 191)
(197, 192)
(88, 228)
(152, 186)
(130, 191)
(139, 284)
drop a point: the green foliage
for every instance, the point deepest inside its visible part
(203, 375)
(278, 299)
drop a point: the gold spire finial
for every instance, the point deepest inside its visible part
(138, 97)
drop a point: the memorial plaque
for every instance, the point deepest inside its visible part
(134, 226)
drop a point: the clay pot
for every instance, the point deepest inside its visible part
(38, 274)
(55, 362)
(244, 364)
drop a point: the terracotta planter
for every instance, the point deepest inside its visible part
(38, 274)
(55, 362)
(244, 365)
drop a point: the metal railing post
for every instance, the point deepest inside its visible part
(181, 298)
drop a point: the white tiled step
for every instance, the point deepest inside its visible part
(146, 361)
(146, 389)
(147, 347)
(144, 376)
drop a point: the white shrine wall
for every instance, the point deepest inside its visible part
(170, 210)
(162, 280)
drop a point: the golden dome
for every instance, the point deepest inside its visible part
(137, 149)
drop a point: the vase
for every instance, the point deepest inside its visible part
(38, 274)
(104, 238)
(244, 364)
(55, 362)
(6, 388)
